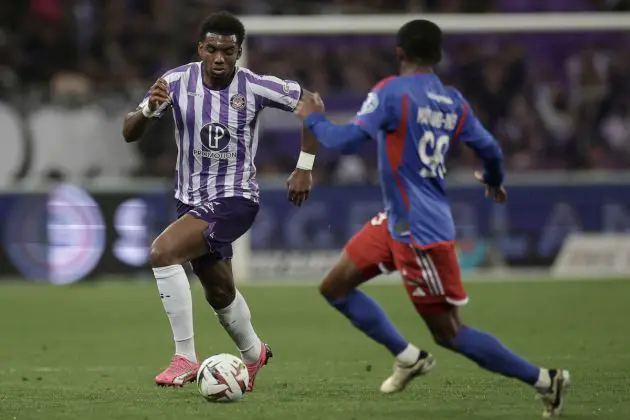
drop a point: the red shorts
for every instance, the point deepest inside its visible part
(431, 276)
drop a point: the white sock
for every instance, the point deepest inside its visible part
(175, 293)
(236, 320)
(408, 356)
(544, 380)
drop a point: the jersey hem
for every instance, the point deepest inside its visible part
(253, 197)
(424, 247)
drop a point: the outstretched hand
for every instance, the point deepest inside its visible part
(299, 186)
(309, 103)
(498, 194)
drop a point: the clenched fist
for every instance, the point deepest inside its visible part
(158, 94)
(310, 102)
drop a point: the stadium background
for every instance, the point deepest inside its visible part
(78, 205)
(69, 71)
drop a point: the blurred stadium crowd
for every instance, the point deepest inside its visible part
(70, 69)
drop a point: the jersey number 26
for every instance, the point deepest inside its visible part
(433, 162)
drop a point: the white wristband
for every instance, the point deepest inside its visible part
(146, 111)
(305, 161)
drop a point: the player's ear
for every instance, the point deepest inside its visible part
(240, 52)
(400, 54)
(200, 49)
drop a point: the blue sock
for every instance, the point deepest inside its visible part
(489, 353)
(369, 317)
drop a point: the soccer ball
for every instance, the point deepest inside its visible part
(223, 378)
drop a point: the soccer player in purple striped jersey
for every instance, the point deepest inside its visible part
(415, 119)
(215, 105)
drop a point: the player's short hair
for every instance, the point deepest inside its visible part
(421, 40)
(222, 23)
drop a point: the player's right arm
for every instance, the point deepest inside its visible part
(375, 115)
(152, 106)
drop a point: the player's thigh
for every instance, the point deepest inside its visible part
(208, 228)
(432, 277)
(181, 241)
(364, 257)
(226, 219)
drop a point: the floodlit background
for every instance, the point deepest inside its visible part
(550, 79)
(557, 100)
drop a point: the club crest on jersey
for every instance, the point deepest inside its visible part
(370, 104)
(237, 102)
(215, 140)
(286, 88)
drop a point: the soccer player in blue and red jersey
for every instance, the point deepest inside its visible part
(415, 119)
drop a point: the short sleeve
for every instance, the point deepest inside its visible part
(377, 112)
(275, 92)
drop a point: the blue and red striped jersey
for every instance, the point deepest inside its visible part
(415, 120)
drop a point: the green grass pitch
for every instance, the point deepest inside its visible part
(91, 352)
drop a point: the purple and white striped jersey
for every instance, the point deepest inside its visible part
(217, 130)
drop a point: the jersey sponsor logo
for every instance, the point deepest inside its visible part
(215, 140)
(237, 102)
(370, 104)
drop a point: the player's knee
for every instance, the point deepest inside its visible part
(341, 280)
(162, 255)
(326, 289)
(219, 296)
(444, 328)
(445, 334)
(331, 288)
(444, 339)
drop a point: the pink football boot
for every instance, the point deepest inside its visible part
(180, 372)
(265, 355)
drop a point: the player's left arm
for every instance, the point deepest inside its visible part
(474, 135)
(300, 181)
(285, 95)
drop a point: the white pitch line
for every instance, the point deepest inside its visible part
(394, 280)
(57, 369)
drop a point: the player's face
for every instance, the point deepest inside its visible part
(219, 53)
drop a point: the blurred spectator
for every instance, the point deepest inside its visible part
(555, 101)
